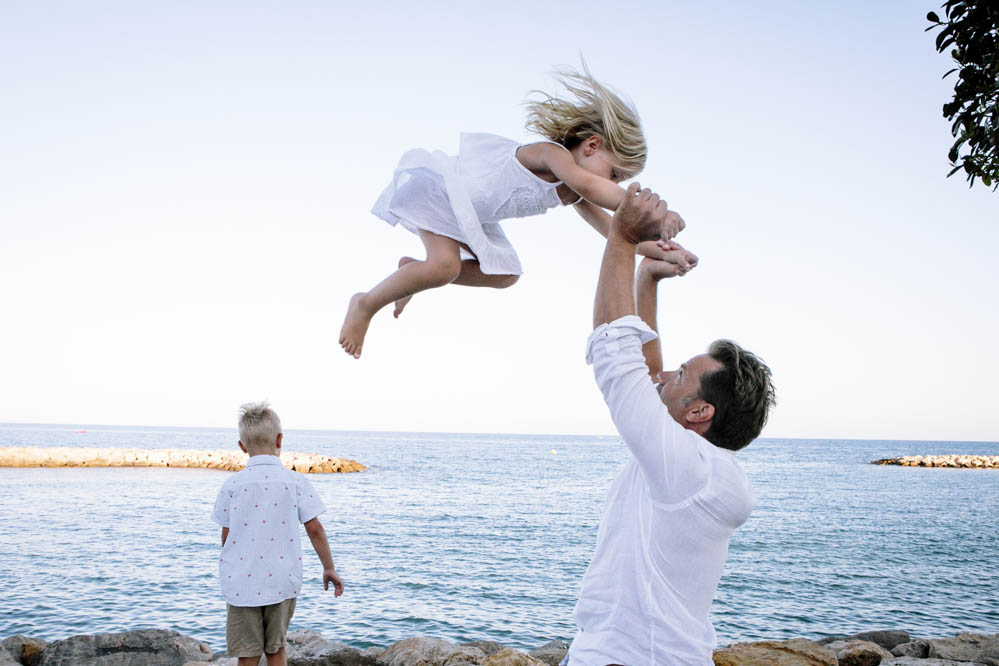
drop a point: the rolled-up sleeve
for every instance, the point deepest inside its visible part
(668, 455)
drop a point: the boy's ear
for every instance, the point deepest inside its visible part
(242, 448)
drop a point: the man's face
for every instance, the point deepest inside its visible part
(678, 387)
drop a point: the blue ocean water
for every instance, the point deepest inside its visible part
(470, 537)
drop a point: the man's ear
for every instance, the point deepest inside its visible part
(592, 144)
(277, 444)
(699, 412)
(242, 448)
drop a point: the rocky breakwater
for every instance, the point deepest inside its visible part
(870, 648)
(231, 461)
(159, 647)
(961, 461)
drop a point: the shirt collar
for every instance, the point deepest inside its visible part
(263, 460)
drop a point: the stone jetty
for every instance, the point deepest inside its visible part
(161, 647)
(231, 461)
(962, 461)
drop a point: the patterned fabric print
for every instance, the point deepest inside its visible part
(523, 202)
(261, 561)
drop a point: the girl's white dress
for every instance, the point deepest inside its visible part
(466, 196)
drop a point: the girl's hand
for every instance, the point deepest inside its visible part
(655, 270)
(670, 252)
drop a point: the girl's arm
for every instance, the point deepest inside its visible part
(595, 216)
(595, 189)
(600, 220)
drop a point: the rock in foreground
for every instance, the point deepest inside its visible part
(158, 647)
(146, 647)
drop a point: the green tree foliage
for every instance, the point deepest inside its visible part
(971, 27)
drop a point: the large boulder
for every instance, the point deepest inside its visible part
(915, 661)
(417, 651)
(510, 657)
(917, 648)
(488, 647)
(551, 652)
(306, 643)
(826, 640)
(795, 652)
(859, 653)
(24, 649)
(981, 648)
(6, 659)
(145, 647)
(310, 648)
(886, 639)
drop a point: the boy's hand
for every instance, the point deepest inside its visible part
(331, 576)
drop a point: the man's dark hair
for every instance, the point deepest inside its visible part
(741, 393)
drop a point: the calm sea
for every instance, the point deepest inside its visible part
(470, 537)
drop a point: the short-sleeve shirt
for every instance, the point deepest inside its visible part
(261, 561)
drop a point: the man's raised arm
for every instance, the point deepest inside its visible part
(639, 218)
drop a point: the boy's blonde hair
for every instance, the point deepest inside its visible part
(259, 425)
(596, 111)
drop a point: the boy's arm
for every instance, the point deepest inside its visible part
(317, 535)
(225, 534)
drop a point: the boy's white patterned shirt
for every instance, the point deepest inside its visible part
(261, 561)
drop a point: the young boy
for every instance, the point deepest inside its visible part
(260, 567)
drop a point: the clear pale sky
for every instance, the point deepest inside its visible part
(185, 192)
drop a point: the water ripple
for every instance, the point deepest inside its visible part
(440, 539)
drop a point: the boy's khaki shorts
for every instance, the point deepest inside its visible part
(254, 630)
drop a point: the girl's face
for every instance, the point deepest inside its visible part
(592, 156)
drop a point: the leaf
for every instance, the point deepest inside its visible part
(932, 16)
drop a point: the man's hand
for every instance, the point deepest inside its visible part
(643, 216)
(673, 224)
(331, 576)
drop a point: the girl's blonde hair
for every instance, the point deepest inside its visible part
(595, 111)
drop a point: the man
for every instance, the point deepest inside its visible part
(665, 529)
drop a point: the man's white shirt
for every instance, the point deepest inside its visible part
(261, 561)
(665, 528)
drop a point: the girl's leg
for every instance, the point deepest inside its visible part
(471, 275)
(441, 267)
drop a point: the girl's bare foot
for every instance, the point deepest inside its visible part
(355, 325)
(401, 304)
